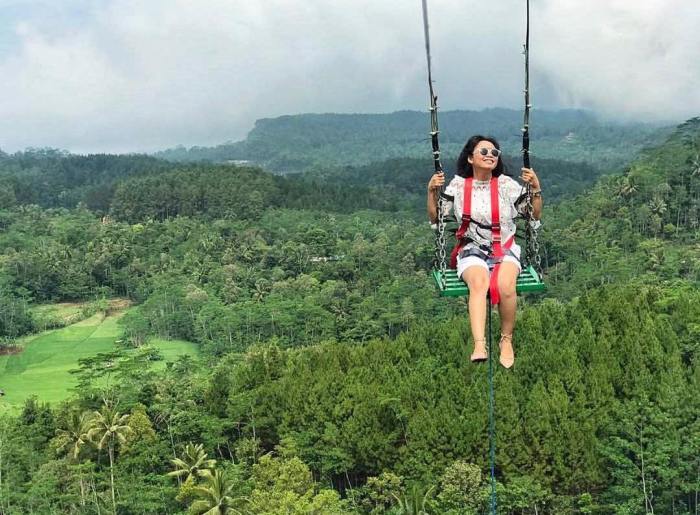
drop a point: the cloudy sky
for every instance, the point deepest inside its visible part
(143, 75)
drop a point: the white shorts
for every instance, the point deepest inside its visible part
(466, 262)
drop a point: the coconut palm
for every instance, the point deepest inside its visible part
(214, 498)
(75, 434)
(261, 288)
(109, 428)
(627, 187)
(192, 464)
(73, 438)
(695, 166)
(414, 502)
(657, 206)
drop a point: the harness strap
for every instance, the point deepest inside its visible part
(498, 251)
(496, 238)
(466, 209)
(466, 220)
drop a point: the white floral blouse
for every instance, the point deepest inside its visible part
(509, 191)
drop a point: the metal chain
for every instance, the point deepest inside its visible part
(440, 241)
(532, 246)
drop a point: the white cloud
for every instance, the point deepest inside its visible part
(626, 58)
(128, 75)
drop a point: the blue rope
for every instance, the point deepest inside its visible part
(492, 418)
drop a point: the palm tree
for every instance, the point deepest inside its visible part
(657, 205)
(72, 439)
(214, 496)
(260, 290)
(108, 428)
(627, 187)
(414, 502)
(193, 463)
(695, 166)
(75, 435)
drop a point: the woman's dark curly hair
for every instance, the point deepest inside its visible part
(464, 167)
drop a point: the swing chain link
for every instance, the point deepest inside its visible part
(440, 242)
(532, 246)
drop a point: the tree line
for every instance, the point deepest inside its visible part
(601, 417)
(334, 380)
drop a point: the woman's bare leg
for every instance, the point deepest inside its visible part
(477, 278)
(507, 277)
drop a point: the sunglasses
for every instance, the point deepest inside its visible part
(485, 151)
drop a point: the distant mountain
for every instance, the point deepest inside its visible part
(295, 143)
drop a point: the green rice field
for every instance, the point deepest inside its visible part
(42, 368)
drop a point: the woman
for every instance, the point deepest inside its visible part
(480, 160)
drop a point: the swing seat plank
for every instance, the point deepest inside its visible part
(528, 281)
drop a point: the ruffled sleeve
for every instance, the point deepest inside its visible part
(452, 193)
(515, 193)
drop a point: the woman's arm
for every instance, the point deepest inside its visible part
(530, 177)
(436, 182)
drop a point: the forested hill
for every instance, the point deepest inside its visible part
(52, 178)
(408, 176)
(294, 143)
(644, 223)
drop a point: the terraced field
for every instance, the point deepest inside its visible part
(42, 368)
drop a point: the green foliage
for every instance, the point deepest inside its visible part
(414, 501)
(460, 488)
(644, 223)
(214, 496)
(193, 464)
(71, 438)
(379, 493)
(322, 342)
(286, 486)
(401, 404)
(299, 277)
(54, 179)
(523, 495)
(15, 319)
(100, 305)
(141, 429)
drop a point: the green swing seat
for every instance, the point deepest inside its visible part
(528, 281)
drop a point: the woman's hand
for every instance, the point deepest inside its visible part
(436, 182)
(530, 177)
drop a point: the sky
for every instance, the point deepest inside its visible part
(145, 75)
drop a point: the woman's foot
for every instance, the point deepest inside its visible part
(479, 353)
(507, 357)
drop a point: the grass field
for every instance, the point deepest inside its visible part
(63, 310)
(42, 368)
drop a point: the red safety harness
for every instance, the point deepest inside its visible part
(497, 253)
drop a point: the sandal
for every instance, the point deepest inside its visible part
(478, 357)
(506, 361)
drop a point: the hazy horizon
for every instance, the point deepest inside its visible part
(598, 116)
(123, 76)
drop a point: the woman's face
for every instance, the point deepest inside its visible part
(487, 161)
